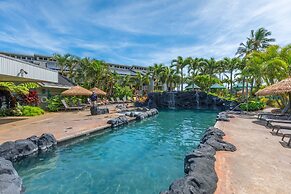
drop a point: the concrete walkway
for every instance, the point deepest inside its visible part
(261, 164)
(63, 125)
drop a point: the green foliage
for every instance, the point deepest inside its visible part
(119, 91)
(10, 112)
(205, 81)
(54, 103)
(22, 88)
(31, 111)
(252, 106)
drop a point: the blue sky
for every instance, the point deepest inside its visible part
(138, 32)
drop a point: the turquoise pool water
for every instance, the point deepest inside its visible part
(143, 157)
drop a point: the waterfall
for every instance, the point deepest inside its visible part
(171, 101)
(197, 100)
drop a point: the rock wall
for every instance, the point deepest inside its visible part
(200, 176)
(187, 100)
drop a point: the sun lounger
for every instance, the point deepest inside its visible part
(269, 122)
(72, 107)
(269, 114)
(277, 127)
(287, 135)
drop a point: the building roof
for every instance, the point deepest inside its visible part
(63, 83)
(122, 71)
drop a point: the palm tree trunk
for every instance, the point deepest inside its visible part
(181, 79)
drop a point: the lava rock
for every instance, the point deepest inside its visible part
(121, 120)
(10, 182)
(16, 150)
(199, 165)
(19, 149)
(190, 100)
(220, 145)
(98, 111)
(46, 141)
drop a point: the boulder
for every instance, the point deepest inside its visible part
(121, 120)
(16, 150)
(10, 182)
(22, 148)
(220, 145)
(46, 141)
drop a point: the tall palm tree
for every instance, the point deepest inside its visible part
(230, 64)
(180, 63)
(154, 73)
(260, 40)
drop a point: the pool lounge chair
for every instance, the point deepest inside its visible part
(287, 135)
(279, 126)
(269, 122)
(72, 107)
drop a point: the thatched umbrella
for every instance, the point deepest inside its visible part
(98, 91)
(281, 87)
(77, 91)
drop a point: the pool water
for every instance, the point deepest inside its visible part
(142, 157)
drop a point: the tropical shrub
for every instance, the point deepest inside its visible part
(252, 106)
(31, 111)
(54, 104)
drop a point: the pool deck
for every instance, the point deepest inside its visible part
(261, 164)
(63, 125)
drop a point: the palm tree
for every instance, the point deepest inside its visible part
(260, 40)
(257, 41)
(230, 64)
(62, 61)
(180, 63)
(154, 73)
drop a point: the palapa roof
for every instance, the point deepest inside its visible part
(98, 91)
(217, 86)
(283, 86)
(77, 91)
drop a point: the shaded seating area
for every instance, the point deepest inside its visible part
(281, 121)
(72, 108)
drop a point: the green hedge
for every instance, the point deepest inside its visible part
(252, 106)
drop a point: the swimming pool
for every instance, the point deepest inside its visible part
(143, 157)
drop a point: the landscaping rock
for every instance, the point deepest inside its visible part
(10, 182)
(121, 120)
(98, 111)
(22, 148)
(16, 150)
(46, 141)
(220, 145)
(199, 165)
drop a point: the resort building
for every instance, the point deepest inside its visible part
(17, 70)
(49, 63)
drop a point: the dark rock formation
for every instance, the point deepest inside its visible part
(98, 111)
(142, 113)
(121, 120)
(193, 100)
(22, 148)
(10, 182)
(200, 176)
